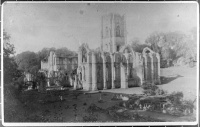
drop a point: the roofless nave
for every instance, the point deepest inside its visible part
(115, 65)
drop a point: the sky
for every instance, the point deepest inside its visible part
(34, 26)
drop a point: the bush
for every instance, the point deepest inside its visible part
(13, 110)
(176, 98)
(151, 89)
(177, 106)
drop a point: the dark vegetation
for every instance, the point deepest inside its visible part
(32, 106)
(172, 103)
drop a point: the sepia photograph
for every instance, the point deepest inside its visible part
(100, 63)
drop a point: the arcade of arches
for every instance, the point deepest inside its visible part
(98, 70)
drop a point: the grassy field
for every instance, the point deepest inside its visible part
(31, 106)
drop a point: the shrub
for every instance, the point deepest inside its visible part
(176, 98)
(13, 110)
(151, 89)
(177, 106)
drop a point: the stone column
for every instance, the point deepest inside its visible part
(94, 74)
(152, 68)
(124, 84)
(140, 69)
(104, 72)
(87, 74)
(48, 82)
(113, 71)
(145, 67)
(89, 77)
(128, 67)
(75, 82)
(83, 72)
(79, 57)
(70, 81)
(158, 58)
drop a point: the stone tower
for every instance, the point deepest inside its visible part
(113, 29)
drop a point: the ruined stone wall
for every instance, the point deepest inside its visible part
(59, 68)
(151, 66)
(105, 70)
(44, 65)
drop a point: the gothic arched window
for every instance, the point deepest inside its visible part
(118, 31)
(84, 55)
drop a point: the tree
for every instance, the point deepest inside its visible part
(44, 53)
(137, 46)
(156, 41)
(171, 46)
(27, 61)
(10, 67)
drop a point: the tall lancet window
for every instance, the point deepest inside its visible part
(84, 55)
(117, 31)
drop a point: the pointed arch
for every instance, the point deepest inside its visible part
(147, 50)
(126, 49)
(83, 53)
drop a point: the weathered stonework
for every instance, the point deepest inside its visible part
(56, 65)
(116, 65)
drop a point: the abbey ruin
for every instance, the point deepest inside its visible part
(114, 64)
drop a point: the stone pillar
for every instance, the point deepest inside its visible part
(124, 83)
(104, 72)
(70, 79)
(158, 59)
(94, 74)
(75, 82)
(140, 69)
(113, 71)
(83, 72)
(145, 67)
(128, 67)
(88, 75)
(48, 82)
(152, 68)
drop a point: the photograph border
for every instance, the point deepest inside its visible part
(97, 123)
